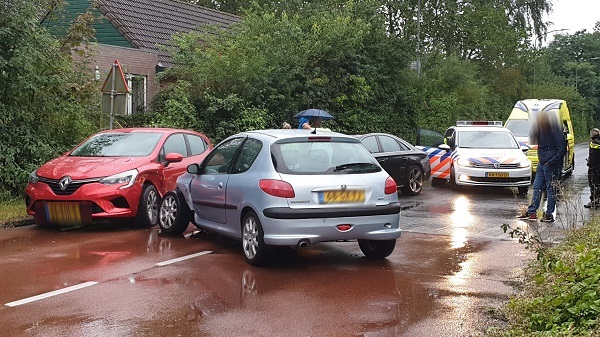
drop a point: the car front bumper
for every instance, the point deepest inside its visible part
(483, 177)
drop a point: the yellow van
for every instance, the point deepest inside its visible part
(519, 123)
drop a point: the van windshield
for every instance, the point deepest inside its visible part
(519, 127)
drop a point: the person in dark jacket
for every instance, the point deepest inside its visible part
(547, 133)
(594, 169)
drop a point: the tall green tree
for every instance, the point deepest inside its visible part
(339, 59)
(44, 103)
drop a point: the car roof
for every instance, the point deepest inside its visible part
(148, 129)
(481, 128)
(277, 134)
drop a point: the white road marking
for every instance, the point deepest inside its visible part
(164, 263)
(50, 294)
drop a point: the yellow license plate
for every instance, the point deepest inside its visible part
(64, 213)
(336, 197)
(497, 174)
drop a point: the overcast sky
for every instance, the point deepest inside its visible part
(573, 15)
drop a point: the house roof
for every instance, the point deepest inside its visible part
(149, 24)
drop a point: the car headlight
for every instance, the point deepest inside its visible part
(465, 162)
(127, 178)
(33, 178)
(524, 163)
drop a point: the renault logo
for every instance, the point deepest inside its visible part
(497, 165)
(64, 183)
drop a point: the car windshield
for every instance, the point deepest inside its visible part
(323, 157)
(118, 144)
(519, 127)
(487, 140)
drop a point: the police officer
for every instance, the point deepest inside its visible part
(594, 169)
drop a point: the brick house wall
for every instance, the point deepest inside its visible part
(133, 61)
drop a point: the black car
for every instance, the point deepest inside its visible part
(406, 164)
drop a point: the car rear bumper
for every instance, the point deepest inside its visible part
(313, 225)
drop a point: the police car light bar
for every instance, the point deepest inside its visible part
(479, 123)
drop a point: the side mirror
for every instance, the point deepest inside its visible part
(173, 157)
(193, 169)
(524, 148)
(444, 147)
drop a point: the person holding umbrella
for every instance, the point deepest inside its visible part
(312, 118)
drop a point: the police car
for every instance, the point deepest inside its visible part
(480, 153)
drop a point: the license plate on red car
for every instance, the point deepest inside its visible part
(63, 213)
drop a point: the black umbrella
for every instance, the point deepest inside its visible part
(312, 113)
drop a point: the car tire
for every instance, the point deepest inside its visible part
(523, 190)
(174, 215)
(147, 213)
(453, 184)
(377, 249)
(414, 183)
(253, 244)
(438, 182)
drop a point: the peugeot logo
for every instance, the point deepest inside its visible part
(343, 187)
(497, 165)
(64, 182)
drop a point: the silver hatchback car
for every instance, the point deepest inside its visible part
(287, 188)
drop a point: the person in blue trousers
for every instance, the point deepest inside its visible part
(547, 133)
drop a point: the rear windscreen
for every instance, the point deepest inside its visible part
(322, 157)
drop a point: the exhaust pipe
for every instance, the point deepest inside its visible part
(303, 243)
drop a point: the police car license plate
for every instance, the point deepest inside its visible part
(336, 197)
(496, 174)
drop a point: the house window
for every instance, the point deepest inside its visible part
(136, 100)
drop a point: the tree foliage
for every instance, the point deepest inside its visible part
(340, 60)
(43, 102)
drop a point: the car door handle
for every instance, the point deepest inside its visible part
(220, 185)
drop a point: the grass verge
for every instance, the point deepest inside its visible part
(12, 213)
(560, 293)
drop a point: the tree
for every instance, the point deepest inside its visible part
(339, 59)
(40, 93)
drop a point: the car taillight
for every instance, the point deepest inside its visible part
(390, 186)
(277, 188)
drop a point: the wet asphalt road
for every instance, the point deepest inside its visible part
(452, 264)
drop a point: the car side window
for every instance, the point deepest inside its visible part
(248, 154)
(219, 159)
(197, 144)
(175, 143)
(371, 144)
(389, 144)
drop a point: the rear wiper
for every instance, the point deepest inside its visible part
(351, 165)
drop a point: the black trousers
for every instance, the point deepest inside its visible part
(594, 182)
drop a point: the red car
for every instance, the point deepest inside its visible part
(114, 174)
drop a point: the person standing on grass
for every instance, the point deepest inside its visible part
(547, 133)
(594, 169)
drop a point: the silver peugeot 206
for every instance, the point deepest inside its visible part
(287, 188)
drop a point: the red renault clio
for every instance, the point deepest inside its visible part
(114, 174)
